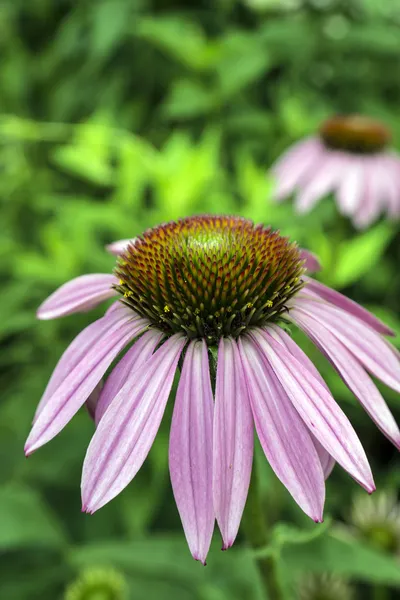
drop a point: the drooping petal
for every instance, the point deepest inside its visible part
(318, 409)
(371, 204)
(327, 461)
(78, 295)
(119, 246)
(351, 187)
(190, 450)
(127, 429)
(312, 263)
(92, 401)
(283, 435)
(341, 301)
(233, 441)
(363, 342)
(321, 183)
(77, 350)
(291, 171)
(73, 392)
(352, 374)
(133, 359)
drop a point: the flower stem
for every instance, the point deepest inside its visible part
(256, 531)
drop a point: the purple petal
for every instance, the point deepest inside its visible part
(322, 182)
(352, 374)
(78, 295)
(127, 429)
(283, 435)
(77, 350)
(279, 334)
(119, 246)
(371, 204)
(190, 450)
(351, 187)
(233, 441)
(133, 359)
(317, 408)
(312, 263)
(290, 170)
(341, 301)
(364, 343)
(327, 461)
(92, 401)
(73, 392)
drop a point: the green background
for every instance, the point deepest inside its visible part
(116, 115)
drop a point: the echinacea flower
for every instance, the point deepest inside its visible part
(350, 159)
(214, 296)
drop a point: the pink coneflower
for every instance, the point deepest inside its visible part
(214, 296)
(350, 159)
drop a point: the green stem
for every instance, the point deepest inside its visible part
(256, 531)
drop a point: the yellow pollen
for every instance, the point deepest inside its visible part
(167, 309)
(269, 303)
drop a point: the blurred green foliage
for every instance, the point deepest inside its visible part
(116, 115)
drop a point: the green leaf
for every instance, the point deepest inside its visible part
(26, 521)
(333, 553)
(357, 256)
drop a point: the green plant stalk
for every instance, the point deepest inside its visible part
(255, 528)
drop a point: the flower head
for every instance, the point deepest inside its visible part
(349, 158)
(98, 583)
(377, 519)
(186, 292)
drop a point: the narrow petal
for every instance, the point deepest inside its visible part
(277, 333)
(133, 359)
(127, 429)
(327, 461)
(77, 350)
(318, 409)
(371, 205)
(92, 401)
(233, 441)
(312, 263)
(190, 450)
(341, 301)
(283, 435)
(322, 182)
(352, 374)
(78, 295)
(351, 186)
(119, 246)
(81, 381)
(364, 343)
(289, 174)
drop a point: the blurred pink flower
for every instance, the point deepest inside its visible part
(213, 294)
(349, 158)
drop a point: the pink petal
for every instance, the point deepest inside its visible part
(351, 187)
(73, 392)
(78, 295)
(77, 350)
(283, 436)
(233, 441)
(92, 401)
(127, 429)
(312, 263)
(136, 357)
(327, 461)
(352, 374)
(364, 343)
(391, 164)
(341, 301)
(318, 410)
(119, 246)
(290, 173)
(371, 205)
(322, 182)
(279, 334)
(190, 450)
